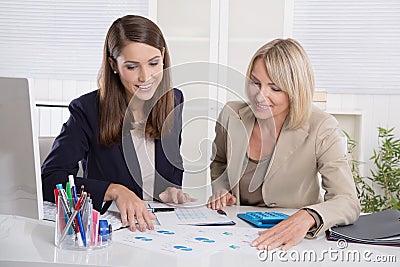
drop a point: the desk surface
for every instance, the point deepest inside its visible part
(28, 242)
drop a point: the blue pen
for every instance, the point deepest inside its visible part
(78, 216)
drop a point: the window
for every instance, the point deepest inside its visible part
(353, 45)
(58, 39)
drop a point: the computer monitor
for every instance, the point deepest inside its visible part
(20, 181)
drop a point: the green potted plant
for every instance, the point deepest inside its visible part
(381, 189)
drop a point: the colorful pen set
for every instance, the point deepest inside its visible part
(77, 222)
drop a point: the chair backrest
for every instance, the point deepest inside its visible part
(45, 145)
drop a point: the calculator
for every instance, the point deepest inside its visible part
(262, 219)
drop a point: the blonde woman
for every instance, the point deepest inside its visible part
(269, 151)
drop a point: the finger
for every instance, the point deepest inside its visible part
(132, 222)
(231, 200)
(264, 236)
(213, 205)
(174, 196)
(141, 222)
(217, 204)
(163, 196)
(262, 247)
(288, 245)
(149, 217)
(181, 197)
(276, 242)
(223, 201)
(279, 238)
(187, 197)
(211, 201)
(124, 217)
(214, 201)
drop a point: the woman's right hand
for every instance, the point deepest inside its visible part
(130, 206)
(221, 199)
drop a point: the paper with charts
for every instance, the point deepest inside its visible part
(193, 216)
(190, 213)
(190, 240)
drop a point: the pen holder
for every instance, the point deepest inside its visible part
(78, 229)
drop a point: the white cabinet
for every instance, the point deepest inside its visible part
(351, 122)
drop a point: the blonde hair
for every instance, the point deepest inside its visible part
(289, 67)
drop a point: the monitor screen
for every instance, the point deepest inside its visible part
(20, 181)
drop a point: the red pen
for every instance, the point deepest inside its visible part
(80, 202)
(71, 219)
(56, 197)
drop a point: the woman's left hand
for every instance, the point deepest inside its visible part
(175, 195)
(287, 233)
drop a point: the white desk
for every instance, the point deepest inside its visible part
(27, 242)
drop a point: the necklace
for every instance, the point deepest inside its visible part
(138, 122)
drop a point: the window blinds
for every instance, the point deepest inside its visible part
(354, 46)
(54, 39)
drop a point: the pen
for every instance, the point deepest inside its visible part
(56, 196)
(58, 188)
(153, 210)
(221, 212)
(69, 194)
(67, 212)
(85, 203)
(78, 216)
(72, 218)
(64, 200)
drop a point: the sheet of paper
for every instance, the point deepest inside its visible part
(154, 204)
(193, 216)
(190, 240)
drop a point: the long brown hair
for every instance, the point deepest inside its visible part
(112, 98)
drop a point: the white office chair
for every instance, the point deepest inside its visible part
(45, 145)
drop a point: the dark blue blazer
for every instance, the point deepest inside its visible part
(79, 141)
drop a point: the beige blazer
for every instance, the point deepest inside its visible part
(292, 179)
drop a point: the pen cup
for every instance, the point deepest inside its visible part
(76, 229)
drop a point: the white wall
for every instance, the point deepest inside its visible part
(377, 111)
(49, 120)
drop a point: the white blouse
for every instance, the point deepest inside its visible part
(145, 153)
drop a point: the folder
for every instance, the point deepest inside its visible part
(380, 228)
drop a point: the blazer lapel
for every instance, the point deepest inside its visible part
(239, 129)
(287, 144)
(131, 160)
